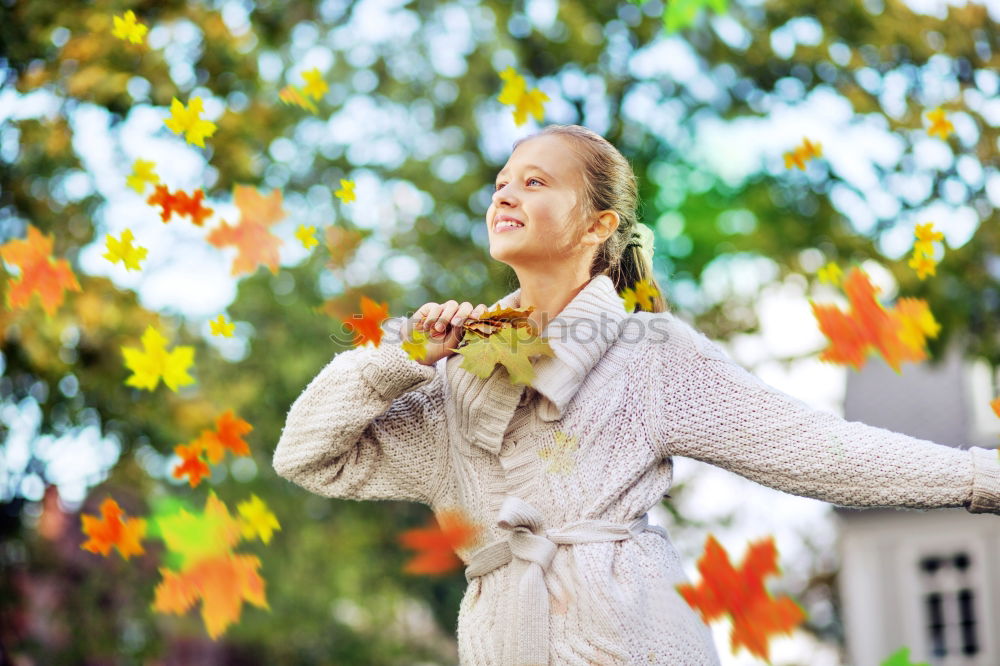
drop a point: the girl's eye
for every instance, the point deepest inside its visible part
(499, 185)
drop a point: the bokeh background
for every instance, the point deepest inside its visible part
(704, 111)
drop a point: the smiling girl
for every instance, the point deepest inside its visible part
(561, 473)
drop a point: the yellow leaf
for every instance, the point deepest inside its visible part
(525, 101)
(315, 86)
(220, 327)
(142, 173)
(127, 28)
(417, 346)
(153, 362)
(307, 236)
(830, 273)
(346, 191)
(511, 347)
(122, 250)
(257, 519)
(188, 121)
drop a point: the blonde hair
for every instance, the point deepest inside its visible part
(610, 184)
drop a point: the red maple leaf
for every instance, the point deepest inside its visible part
(437, 543)
(865, 325)
(40, 273)
(740, 592)
(252, 237)
(110, 530)
(179, 202)
(222, 582)
(228, 435)
(191, 463)
(368, 325)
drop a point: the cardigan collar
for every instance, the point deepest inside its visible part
(579, 336)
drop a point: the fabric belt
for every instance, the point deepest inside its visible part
(532, 548)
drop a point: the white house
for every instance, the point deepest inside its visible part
(929, 580)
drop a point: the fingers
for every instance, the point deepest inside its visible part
(437, 317)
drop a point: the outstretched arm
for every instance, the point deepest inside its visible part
(370, 425)
(712, 409)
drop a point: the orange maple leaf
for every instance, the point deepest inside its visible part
(368, 325)
(740, 592)
(40, 273)
(181, 203)
(437, 543)
(868, 324)
(191, 462)
(228, 435)
(222, 582)
(254, 241)
(110, 530)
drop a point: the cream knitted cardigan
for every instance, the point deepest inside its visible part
(561, 474)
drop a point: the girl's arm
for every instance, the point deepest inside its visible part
(711, 409)
(369, 426)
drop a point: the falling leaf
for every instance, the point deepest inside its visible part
(252, 238)
(916, 321)
(342, 243)
(740, 594)
(806, 151)
(40, 273)
(142, 173)
(110, 530)
(901, 657)
(368, 325)
(220, 327)
(153, 362)
(436, 544)
(181, 203)
(222, 582)
(122, 250)
(416, 345)
(923, 265)
(926, 234)
(188, 121)
(830, 273)
(346, 191)
(127, 28)
(192, 465)
(315, 86)
(940, 125)
(294, 95)
(559, 453)
(642, 294)
(995, 405)
(307, 236)
(515, 92)
(680, 14)
(193, 536)
(867, 325)
(228, 434)
(257, 519)
(511, 347)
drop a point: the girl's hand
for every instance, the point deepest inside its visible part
(443, 322)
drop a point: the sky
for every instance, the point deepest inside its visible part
(196, 283)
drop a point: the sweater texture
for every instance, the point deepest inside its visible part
(560, 474)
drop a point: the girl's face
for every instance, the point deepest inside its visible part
(539, 186)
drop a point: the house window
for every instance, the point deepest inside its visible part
(983, 385)
(948, 600)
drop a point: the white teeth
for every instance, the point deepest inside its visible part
(508, 225)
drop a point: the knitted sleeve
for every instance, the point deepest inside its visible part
(712, 409)
(369, 426)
